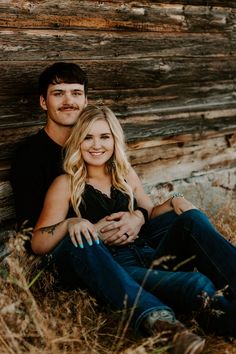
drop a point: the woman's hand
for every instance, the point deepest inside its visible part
(78, 227)
(180, 204)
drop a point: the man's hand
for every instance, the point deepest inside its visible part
(122, 228)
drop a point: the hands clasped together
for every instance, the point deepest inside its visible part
(119, 228)
(116, 229)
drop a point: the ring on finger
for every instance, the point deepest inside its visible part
(127, 236)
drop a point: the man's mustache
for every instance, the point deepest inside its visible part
(66, 106)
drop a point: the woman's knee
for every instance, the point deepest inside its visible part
(194, 217)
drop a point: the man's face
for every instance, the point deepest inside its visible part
(64, 103)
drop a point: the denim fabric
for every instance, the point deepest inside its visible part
(94, 268)
(113, 276)
(157, 228)
(192, 235)
(182, 291)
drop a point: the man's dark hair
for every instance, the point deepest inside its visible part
(58, 73)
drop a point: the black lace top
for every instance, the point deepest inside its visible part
(96, 205)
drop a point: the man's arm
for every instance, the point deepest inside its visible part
(27, 184)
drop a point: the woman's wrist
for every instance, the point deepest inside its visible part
(175, 195)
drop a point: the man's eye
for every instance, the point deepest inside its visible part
(77, 93)
(57, 93)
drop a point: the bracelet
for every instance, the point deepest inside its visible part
(176, 195)
(144, 212)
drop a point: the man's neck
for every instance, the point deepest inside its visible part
(59, 135)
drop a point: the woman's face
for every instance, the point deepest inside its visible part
(98, 145)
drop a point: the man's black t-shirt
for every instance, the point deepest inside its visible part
(35, 165)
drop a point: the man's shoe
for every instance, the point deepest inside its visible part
(182, 340)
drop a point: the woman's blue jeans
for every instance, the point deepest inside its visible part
(114, 275)
(95, 269)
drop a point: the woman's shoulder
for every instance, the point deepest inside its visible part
(61, 183)
(132, 178)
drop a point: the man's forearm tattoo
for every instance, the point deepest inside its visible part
(49, 229)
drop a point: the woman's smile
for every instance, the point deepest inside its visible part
(98, 145)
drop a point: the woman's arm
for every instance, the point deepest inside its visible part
(143, 200)
(178, 204)
(52, 224)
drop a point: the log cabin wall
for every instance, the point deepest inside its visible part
(167, 68)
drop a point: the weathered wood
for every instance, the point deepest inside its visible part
(66, 45)
(21, 77)
(9, 140)
(106, 15)
(7, 211)
(181, 160)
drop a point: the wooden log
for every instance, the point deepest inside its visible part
(20, 78)
(116, 15)
(172, 162)
(84, 45)
(7, 211)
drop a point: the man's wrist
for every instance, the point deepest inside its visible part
(144, 212)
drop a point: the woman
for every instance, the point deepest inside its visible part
(98, 181)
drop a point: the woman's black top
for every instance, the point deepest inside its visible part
(96, 205)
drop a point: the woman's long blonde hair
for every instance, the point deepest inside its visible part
(75, 166)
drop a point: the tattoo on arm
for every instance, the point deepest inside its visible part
(50, 229)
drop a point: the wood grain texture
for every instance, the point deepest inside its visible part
(116, 15)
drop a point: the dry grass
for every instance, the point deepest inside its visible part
(34, 318)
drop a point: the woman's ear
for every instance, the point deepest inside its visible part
(42, 102)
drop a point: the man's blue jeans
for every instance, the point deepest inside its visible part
(192, 235)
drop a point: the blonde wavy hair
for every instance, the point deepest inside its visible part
(75, 166)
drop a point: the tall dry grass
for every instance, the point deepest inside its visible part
(36, 318)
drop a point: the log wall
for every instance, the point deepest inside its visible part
(167, 68)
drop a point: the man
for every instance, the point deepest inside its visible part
(63, 94)
(39, 160)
